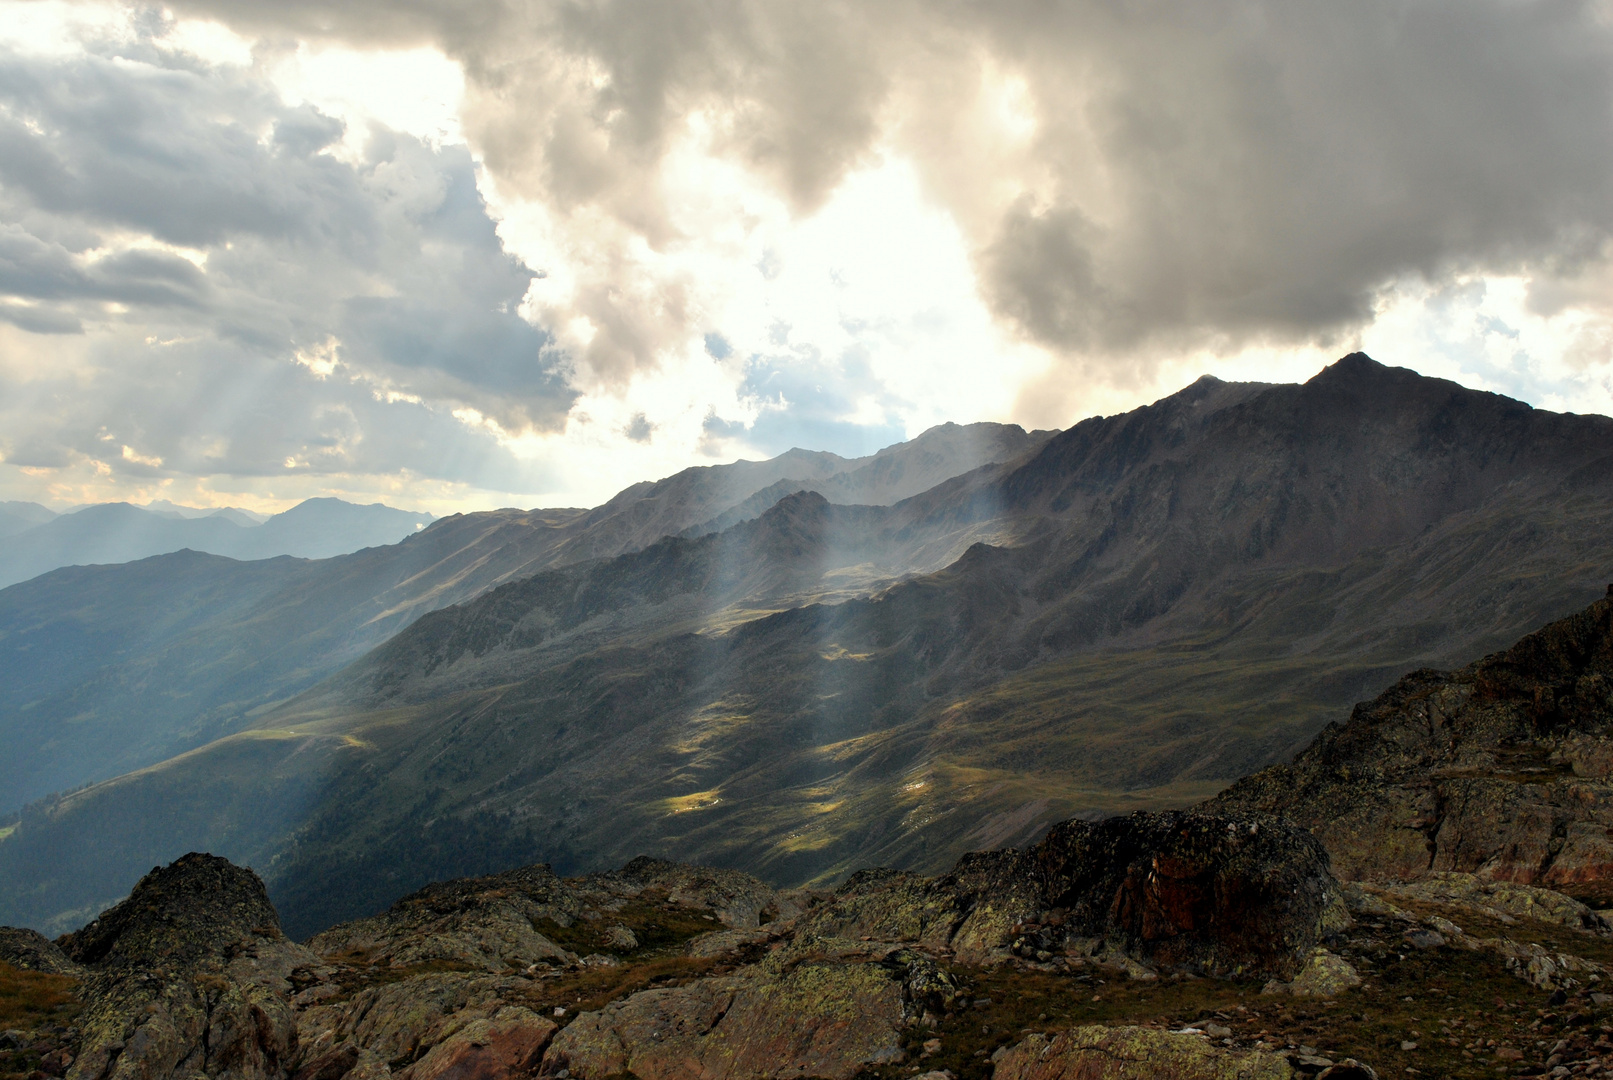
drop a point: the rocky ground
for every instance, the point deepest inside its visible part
(1100, 949)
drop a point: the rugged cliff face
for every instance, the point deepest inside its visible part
(1503, 769)
(188, 976)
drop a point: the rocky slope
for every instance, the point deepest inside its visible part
(1144, 609)
(1502, 769)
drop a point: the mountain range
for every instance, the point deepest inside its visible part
(105, 669)
(38, 540)
(1128, 614)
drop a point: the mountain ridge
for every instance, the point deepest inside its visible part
(304, 619)
(1137, 612)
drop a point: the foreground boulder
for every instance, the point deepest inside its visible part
(1501, 770)
(817, 1019)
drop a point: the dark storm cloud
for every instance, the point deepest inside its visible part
(1221, 171)
(390, 265)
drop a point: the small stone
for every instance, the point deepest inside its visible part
(56, 1062)
(1217, 1031)
(1408, 1046)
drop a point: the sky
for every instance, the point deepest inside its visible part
(460, 255)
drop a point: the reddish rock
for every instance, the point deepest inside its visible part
(509, 1045)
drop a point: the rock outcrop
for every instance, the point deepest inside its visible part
(188, 976)
(29, 950)
(1501, 770)
(1206, 893)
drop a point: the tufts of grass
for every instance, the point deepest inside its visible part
(31, 999)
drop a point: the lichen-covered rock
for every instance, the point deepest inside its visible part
(398, 1022)
(1101, 1053)
(726, 942)
(1324, 975)
(1500, 770)
(485, 922)
(1504, 899)
(187, 976)
(816, 1019)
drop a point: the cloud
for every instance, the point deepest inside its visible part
(247, 302)
(669, 216)
(1129, 177)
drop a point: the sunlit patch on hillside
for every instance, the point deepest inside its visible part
(707, 729)
(840, 652)
(700, 800)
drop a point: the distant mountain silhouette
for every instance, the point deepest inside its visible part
(121, 532)
(16, 517)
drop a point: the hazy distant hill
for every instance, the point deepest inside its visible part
(1131, 614)
(16, 517)
(104, 669)
(121, 532)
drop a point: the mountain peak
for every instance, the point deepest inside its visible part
(795, 507)
(1355, 367)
